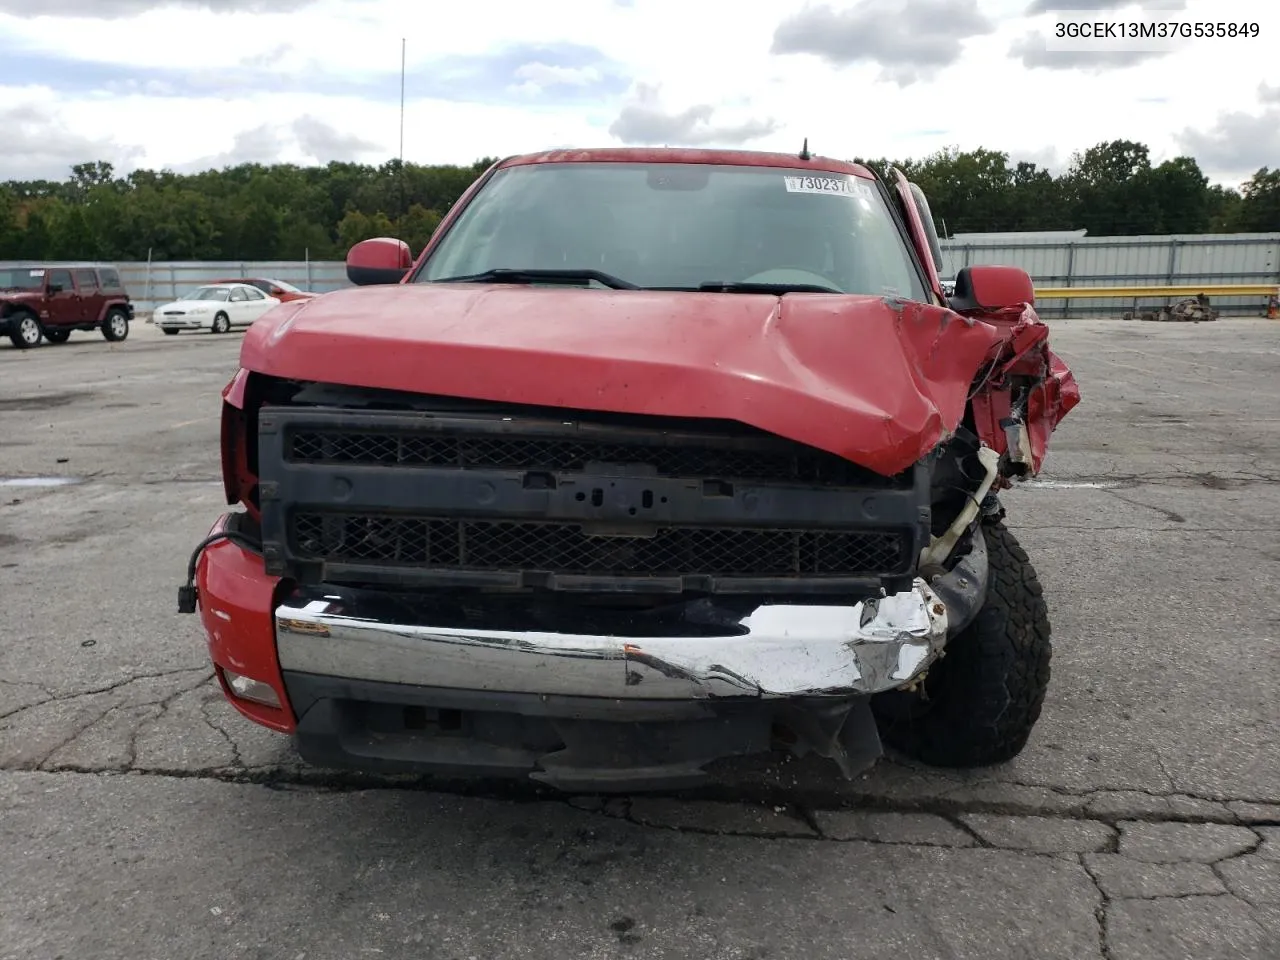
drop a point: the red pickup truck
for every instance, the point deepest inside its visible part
(651, 459)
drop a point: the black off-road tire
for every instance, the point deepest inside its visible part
(57, 336)
(115, 325)
(25, 331)
(985, 695)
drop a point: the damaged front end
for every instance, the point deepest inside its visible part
(615, 600)
(595, 602)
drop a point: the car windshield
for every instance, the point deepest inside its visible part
(286, 287)
(208, 293)
(681, 226)
(22, 278)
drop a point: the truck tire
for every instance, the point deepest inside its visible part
(115, 325)
(982, 699)
(25, 330)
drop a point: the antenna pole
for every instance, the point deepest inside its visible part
(403, 211)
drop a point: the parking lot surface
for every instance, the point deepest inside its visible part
(141, 817)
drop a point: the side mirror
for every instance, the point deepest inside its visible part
(990, 288)
(378, 261)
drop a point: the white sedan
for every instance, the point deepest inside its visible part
(216, 307)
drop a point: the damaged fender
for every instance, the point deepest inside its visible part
(1026, 393)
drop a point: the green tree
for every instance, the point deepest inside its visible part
(70, 237)
(11, 235)
(356, 226)
(416, 227)
(1181, 192)
(1260, 202)
(1110, 190)
(36, 237)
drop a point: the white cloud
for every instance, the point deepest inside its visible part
(178, 84)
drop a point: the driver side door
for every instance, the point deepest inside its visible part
(62, 301)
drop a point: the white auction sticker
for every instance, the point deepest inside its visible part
(37, 273)
(832, 186)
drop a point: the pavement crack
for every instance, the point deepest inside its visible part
(98, 691)
(131, 751)
(236, 760)
(1171, 515)
(132, 744)
(964, 828)
(1232, 888)
(1257, 844)
(76, 735)
(1173, 787)
(1173, 794)
(1101, 912)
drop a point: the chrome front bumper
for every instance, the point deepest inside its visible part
(775, 652)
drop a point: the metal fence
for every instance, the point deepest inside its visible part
(1084, 262)
(1181, 259)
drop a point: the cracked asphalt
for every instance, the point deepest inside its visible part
(141, 817)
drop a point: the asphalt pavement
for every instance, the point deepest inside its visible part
(141, 817)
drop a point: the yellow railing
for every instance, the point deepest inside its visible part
(1129, 293)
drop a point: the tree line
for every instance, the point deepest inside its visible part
(288, 212)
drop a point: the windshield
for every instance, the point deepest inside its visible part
(22, 278)
(286, 287)
(682, 226)
(208, 293)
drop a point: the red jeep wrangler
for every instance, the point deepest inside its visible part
(653, 458)
(50, 301)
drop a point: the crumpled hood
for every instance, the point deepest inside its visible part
(878, 381)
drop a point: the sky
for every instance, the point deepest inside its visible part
(197, 84)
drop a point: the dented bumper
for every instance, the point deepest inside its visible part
(775, 651)
(432, 682)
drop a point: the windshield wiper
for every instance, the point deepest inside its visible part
(740, 286)
(512, 275)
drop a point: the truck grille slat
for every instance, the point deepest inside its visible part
(804, 465)
(567, 549)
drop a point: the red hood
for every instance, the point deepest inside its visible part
(877, 381)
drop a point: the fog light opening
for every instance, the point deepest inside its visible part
(246, 688)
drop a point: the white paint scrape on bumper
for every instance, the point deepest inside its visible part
(777, 651)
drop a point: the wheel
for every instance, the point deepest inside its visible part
(115, 325)
(221, 323)
(978, 704)
(25, 331)
(57, 336)
(169, 331)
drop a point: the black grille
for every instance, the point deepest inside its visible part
(566, 549)
(795, 464)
